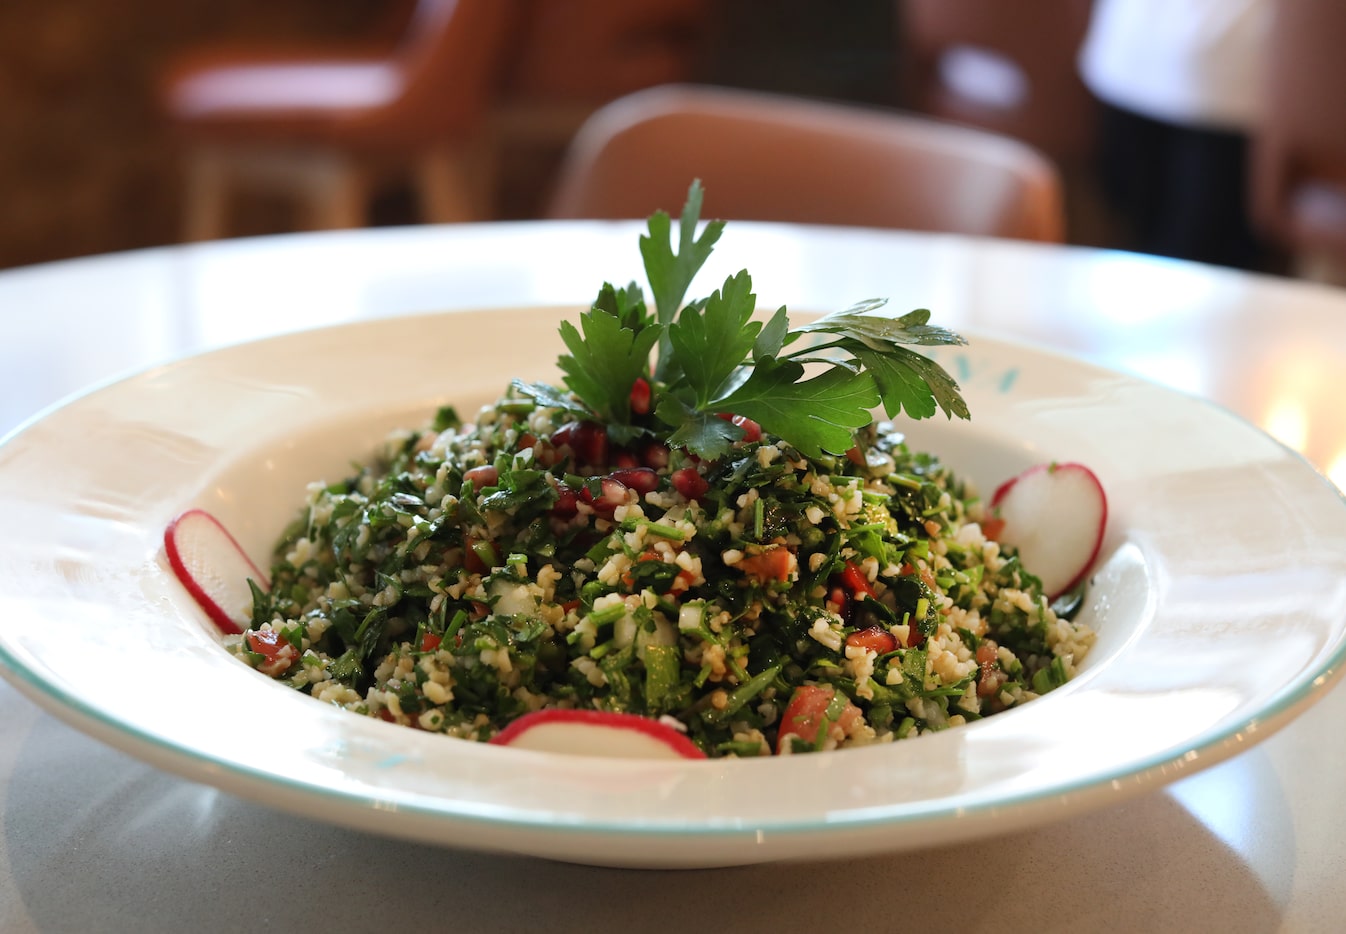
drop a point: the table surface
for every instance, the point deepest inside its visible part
(95, 840)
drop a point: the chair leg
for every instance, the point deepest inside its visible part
(449, 190)
(206, 198)
(337, 195)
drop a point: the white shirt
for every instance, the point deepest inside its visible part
(1191, 62)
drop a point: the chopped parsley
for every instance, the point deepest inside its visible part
(714, 359)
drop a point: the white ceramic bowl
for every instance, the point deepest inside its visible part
(1219, 600)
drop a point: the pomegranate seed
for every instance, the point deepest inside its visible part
(624, 460)
(605, 503)
(655, 455)
(641, 479)
(751, 430)
(689, 484)
(588, 441)
(567, 503)
(482, 477)
(614, 491)
(640, 396)
(593, 444)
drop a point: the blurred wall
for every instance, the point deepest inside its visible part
(85, 164)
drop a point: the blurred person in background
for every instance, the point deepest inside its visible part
(1180, 83)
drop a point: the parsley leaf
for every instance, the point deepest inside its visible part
(772, 337)
(702, 432)
(626, 305)
(671, 272)
(817, 415)
(906, 380)
(881, 333)
(604, 363)
(712, 342)
(551, 397)
(714, 360)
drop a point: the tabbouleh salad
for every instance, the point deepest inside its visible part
(714, 541)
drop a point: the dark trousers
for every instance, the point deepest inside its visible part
(1180, 191)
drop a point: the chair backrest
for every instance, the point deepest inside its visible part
(1298, 164)
(767, 157)
(597, 50)
(448, 66)
(1040, 39)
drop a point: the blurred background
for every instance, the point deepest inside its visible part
(101, 105)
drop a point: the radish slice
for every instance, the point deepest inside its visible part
(1055, 516)
(211, 565)
(597, 733)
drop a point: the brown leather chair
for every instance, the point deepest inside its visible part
(324, 126)
(570, 57)
(1298, 164)
(1043, 103)
(768, 157)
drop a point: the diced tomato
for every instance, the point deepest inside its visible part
(992, 528)
(927, 577)
(526, 440)
(278, 653)
(773, 564)
(991, 677)
(807, 713)
(689, 483)
(649, 554)
(683, 581)
(855, 580)
(482, 477)
(856, 456)
(640, 396)
(472, 557)
(265, 642)
(430, 641)
(837, 601)
(875, 638)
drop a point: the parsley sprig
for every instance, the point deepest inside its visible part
(812, 385)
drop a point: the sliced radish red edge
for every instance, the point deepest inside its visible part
(1055, 515)
(208, 561)
(597, 733)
